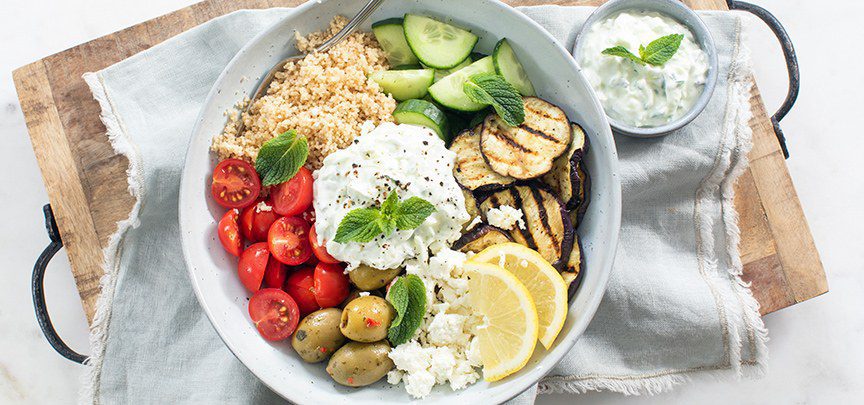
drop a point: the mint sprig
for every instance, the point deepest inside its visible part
(365, 224)
(657, 53)
(408, 296)
(492, 89)
(280, 158)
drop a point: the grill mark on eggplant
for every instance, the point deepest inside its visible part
(541, 113)
(526, 233)
(544, 218)
(511, 142)
(539, 133)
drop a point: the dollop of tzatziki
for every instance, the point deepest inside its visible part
(409, 159)
(643, 95)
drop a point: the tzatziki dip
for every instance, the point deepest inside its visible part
(642, 94)
(409, 159)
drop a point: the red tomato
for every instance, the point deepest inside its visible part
(289, 240)
(253, 263)
(294, 196)
(229, 233)
(255, 224)
(235, 184)
(320, 250)
(331, 285)
(300, 284)
(274, 312)
(274, 274)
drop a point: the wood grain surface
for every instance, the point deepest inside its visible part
(86, 179)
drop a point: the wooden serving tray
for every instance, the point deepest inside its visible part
(86, 180)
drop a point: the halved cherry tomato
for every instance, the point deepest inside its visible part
(252, 265)
(294, 196)
(235, 184)
(275, 274)
(331, 285)
(255, 224)
(320, 250)
(229, 233)
(289, 241)
(274, 312)
(300, 285)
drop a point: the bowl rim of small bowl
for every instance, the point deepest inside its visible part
(685, 16)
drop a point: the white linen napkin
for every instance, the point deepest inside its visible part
(675, 306)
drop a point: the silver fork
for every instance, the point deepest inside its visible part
(347, 30)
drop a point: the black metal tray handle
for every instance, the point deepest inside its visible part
(56, 243)
(791, 64)
(38, 288)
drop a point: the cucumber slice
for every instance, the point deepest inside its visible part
(404, 84)
(508, 66)
(437, 44)
(391, 37)
(407, 67)
(442, 73)
(449, 93)
(424, 114)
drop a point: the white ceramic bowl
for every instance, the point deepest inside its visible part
(213, 272)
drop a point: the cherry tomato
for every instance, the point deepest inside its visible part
(229, 233)
(274, 312)
(320, 250)
(255, 224)
(331, 285)
(300, 285)
(289, 240)
(235, 184)
(275, 274)
(253, 264)
(294, 196)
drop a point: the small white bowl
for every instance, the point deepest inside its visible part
(213, 272)
(684, 15)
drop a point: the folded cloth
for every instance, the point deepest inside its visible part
(675, 306)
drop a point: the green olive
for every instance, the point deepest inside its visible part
(359, 364)
(369, 278)
(356, 294)
(318, 335)
(366, 319)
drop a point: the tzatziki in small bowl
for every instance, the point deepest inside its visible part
(652, 64)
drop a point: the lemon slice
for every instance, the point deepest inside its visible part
(547, 287)
(509, 334)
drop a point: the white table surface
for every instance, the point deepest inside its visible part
(815, 349)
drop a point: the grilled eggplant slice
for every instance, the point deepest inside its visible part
(574, 262)
(547, 227)
(528, 150)
(581, 195)
(471, 170)
(564, 178)
(471, 207)
(480, 238)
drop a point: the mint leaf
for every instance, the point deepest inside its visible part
(280, 158)
(390, 204)
(492, 89)
(660, 50)
(398, 296)
(624, 53)
(410, 297)
(360, 225)
(412, 212)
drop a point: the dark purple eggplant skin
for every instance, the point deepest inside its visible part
(576, 160)
(582, 205)
(478, 232)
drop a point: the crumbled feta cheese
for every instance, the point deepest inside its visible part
(263, 207)
(474, 222)
(505, 217)
(364, 293)
(439, 352)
